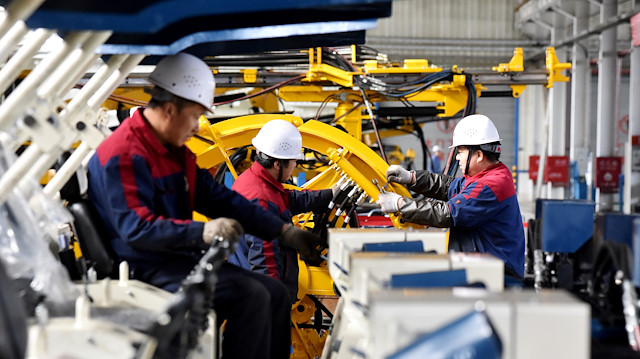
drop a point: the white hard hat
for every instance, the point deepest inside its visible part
(435, 148)
(279, 139)
(476, 130)
(186, 76)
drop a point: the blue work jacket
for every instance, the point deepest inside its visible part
(486, 216)
(146, 192)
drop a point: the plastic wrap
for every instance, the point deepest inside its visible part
(29, 222)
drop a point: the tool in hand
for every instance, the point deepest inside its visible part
(383, 189)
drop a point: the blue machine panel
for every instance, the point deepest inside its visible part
(566, 224)
(439, 279)
(471, 336)
(617, 227)
(408, 246)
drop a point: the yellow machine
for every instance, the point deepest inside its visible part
(343, 142)
(348, 157)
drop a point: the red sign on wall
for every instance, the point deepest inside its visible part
(556, 169)
(607, 172)
(635, 29)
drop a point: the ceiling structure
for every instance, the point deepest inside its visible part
(204, 27)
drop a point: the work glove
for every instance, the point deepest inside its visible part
(305, 242)
(388, 202)
(398, 174)
(227, 228)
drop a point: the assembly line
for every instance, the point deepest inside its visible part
(235, 181)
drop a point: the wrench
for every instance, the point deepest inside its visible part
(383, 189)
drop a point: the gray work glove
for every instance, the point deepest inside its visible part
(305, 242)
(227, 228)
(398, 174)
(388, 202)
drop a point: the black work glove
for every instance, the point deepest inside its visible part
(305, 242)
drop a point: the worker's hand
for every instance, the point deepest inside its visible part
(305, 242)
(227, 228)
(398, 174)
(388, 202)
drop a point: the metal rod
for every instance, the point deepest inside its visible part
(15, 173)
(97, 80)
(67, 170)
(22, 96)
(75, 109)
(17, 62)
(9, 41)
(373, 123)
(41, 165)
(16, 11)
(70, 68)
(114, 80)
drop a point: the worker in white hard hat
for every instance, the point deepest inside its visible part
(145, 184)
(278, 146)
(434, 164)
(481, 207)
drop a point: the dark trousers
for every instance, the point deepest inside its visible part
(255, 306)
(258, 314)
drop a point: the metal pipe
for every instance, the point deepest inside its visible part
(114, 80)
(16, 63)
(579, 84)
(41, 165)
(22, 96)
(89, 89)
(458, 42)
(632, 177)
(67, 170)
(516, 140)
(606, 23)
(16, 11)
(557, 113)
(74, 109)
(71, 69)
(606, 96)
(543, 152)
(12, 39)
(16, 171)
(70, 167)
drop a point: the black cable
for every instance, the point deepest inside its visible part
(236, 157)
(423, 143)
(343, 205)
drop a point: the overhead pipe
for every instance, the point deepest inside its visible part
(605, 24)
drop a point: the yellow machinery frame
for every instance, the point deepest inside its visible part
(349, 157)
